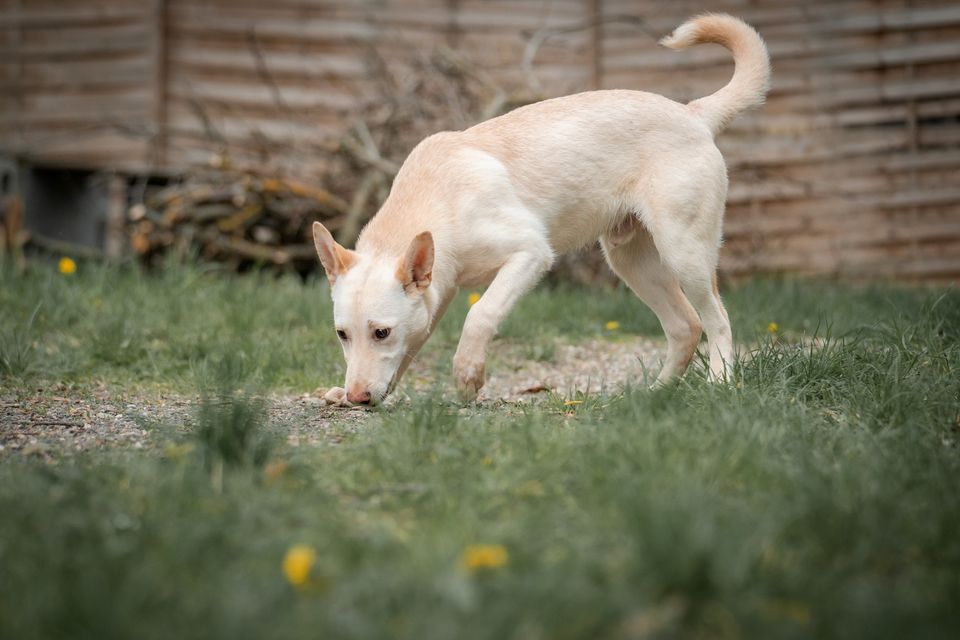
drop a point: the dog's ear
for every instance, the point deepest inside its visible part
(334, 258)
(415, 271)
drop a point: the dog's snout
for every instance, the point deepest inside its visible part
(359, 397)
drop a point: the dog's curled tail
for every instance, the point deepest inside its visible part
(751, 77)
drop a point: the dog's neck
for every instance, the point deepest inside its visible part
(443, 286)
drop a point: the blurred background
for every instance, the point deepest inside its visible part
(145, 129)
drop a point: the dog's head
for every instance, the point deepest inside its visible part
(379, 311)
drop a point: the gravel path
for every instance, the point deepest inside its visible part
(586, 367)
(51, 421)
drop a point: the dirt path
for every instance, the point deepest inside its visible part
(52, 421)
(585, 367)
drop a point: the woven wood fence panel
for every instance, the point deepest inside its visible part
(77, 82)
(850, 169)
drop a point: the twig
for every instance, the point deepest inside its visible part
(366, 151)
(252, 250)
(470, 70)
(264, 72)
(46, 423)
(540, 36)
(351, 226)
(67, 248)
(197, 106)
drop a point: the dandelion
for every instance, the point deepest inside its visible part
(274, 471)
(177, 452)
(612, 325)
(773, 327)
(473, 298)
(789, 610)
(487, 461)
(297, 564)
(480, 557)
(67, 266)
(531, 488)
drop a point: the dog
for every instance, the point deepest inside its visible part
(496, 203)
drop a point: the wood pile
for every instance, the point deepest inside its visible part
(239, 218)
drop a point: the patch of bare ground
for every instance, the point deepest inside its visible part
(586, 367)
(58, 420)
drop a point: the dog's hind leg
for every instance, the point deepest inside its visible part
(521, 271)
(638, 264)
(698, 287)
(687, 237)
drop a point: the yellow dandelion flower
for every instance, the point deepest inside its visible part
(478, 557)
(487, 461)
(612, 325)
(773, 327)
(532, 488)
(473, 298)
(275, 470)
(177, 452)
(297, 564)
(790, 610)
(572, 403)
(67, 266)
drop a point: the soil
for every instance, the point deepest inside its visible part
(57, 420)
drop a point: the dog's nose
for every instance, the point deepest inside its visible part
(359, 397)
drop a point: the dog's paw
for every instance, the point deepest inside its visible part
(336, 397)
(469, 374)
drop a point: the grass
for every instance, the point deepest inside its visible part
(180, 327)
(813, 496)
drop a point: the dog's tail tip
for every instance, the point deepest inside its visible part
(751, 79)
(682, 37)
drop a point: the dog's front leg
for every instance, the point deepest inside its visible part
(519, 274)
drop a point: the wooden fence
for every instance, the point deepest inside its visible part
(850, 169)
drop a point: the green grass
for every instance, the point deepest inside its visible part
(175, 329)
(169, 329)
(815, 496)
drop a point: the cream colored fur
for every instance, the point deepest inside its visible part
(495, 204)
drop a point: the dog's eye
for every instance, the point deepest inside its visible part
(341, 334)
(381, 334)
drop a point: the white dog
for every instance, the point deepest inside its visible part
(496, 203)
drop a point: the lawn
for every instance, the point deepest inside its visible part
(813, 496)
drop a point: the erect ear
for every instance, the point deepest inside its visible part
(334, 258)
(415, 270)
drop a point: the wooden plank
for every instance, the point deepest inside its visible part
(240, 62)
(236, 95)
(59, 76)
(85, 14)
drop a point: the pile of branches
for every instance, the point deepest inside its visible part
(236, 217)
